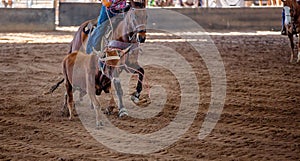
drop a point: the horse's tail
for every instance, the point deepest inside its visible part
(71, 47)
(54, 87)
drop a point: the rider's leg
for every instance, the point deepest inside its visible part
(103, 16)
(283, 29)
(95, 38)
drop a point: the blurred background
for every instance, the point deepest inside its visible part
(150, 3)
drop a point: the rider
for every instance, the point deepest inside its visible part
(108, 6)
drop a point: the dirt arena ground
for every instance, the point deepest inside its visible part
(260, 120)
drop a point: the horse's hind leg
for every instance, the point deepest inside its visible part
(119, 91)
(136, 96)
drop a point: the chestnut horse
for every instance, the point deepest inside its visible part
(292, 18)
(128, 32)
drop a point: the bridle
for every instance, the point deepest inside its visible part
(136, 28)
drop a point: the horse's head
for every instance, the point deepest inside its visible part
(138, 19)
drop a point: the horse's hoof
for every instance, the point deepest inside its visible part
(123, 112)
(135, 99)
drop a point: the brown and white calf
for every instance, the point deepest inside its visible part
(81, 72)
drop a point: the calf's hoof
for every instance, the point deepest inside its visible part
(109, 110)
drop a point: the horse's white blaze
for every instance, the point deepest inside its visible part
(298, 60)
(287, 14)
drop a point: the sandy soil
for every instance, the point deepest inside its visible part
(260, 120)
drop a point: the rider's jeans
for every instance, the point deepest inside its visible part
(283, 18)
(95, 38)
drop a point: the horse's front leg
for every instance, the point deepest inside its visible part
(290, 35)
(119, 92)
(136, 95)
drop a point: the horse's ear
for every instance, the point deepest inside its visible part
(126, 50)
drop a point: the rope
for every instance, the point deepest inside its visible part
(146, 84)
(112, 28)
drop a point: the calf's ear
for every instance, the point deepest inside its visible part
(126, 50)
(98, 53)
